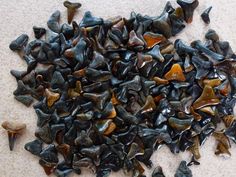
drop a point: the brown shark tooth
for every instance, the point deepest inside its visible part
(13, 129)
(71, 9)
(207, 98)
(175, 73)
(160, 81)
(52, 97)
(194, 149)
(152, 39)
(228, 120)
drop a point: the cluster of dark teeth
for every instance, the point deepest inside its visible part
(111, 92)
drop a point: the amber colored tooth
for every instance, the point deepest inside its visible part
(161, 81)
(207, 98)
(114, 100)
(110, 129)
(13, 130)
(52, 97)
(175, 73)
(196, 116)
(212, 82)
(112, 114)
(152, 39)
(158, 98)
(208, 110)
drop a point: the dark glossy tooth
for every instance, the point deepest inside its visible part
(198, 45)
(205, 15)
(64, 173)
(193, 162)
(21, 89)
(71, 9)
(78, 52)
(93, 152)
(109, 111)
(161, 25)
(187, 64)
(49, 168)
(51, 36)
(14, 129)
(201, 66)
(53, 22)
(71, 134)
(97, 75)
(168, 8)
(156, 53)
(177, 21)
(55, 129)
(160, 119)
(182, 48)
(27, 100)
(227, 66)
(18, 74)
(88, 20)
(83, 163)
(98, 61)
(226, 49)
(231, 132)
(157, 172)
(103, 125)
(188, 7)
(134, 150)
(19, 43)
(38, 32)
(57, 80)
(149, 105)
(43, 118)
(212, 35)
(83, 139)
(98, 99)
(121, 96)
(44, 134)
(64, 43)
(135, 41)
(49, 154)
(127, 117)
(180, 124)
(183, 170)
(134, 84)
(35, 147)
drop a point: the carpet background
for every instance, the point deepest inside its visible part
(18, 17)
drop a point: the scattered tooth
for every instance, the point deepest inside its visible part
(71, 9)
(52, 97)
(14, 129)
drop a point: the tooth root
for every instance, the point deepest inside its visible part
(70, 15)
(11, 138)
